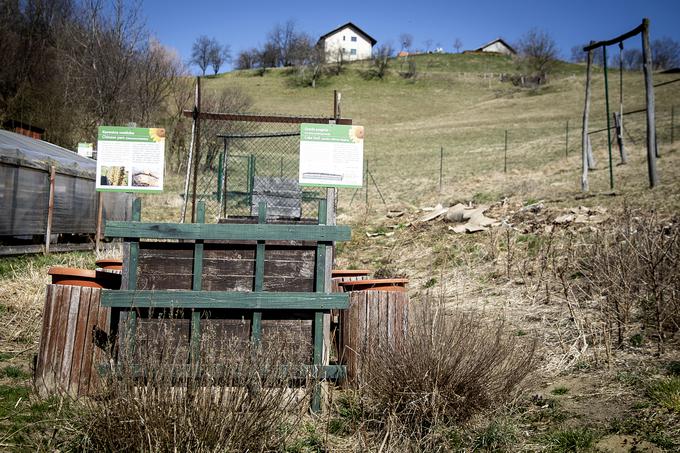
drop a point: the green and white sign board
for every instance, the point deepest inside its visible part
(130, 159)
(331, 155)
(85, 149)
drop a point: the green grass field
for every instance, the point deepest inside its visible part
(459, 103)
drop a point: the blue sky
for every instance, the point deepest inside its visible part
(244, 24)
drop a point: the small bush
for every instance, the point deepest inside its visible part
(246, 399)
(498, 436)
(448, 368)
(570, 440)
(560, 391)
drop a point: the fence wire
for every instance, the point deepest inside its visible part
(240, 163)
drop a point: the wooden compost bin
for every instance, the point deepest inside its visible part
(289, 266)
(373, 317)
(74, 333)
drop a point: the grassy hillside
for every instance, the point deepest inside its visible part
(459, 102)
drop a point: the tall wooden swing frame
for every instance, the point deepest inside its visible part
(587, 162)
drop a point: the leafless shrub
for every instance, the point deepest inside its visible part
(631, 269)
(450, 366)
(246, 398)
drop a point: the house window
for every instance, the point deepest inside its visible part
(353, 39)
(352, 51)
(343, 37)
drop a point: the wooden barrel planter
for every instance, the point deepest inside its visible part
(373, 317)
(74, 333)
(110, 264)
(379, 284)
(84, 277)
(346, 275)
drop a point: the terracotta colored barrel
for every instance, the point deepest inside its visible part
(110, 264)
(381, 284)
(84, 277)
(372, 317)
(74, 333)
(348, 273)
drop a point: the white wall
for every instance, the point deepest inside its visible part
(497, 47)
(336, 42)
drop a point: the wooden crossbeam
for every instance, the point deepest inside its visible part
(328, 372)
(207, 300)
(234, 232)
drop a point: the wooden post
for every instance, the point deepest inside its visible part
(98, 232)
(505, 153)
(190, 160)
(609, 130)
(649, 88)
(585, 161)
(50, 211)
(197, 147)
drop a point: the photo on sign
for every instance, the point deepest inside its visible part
(145, 177)
(114, 176)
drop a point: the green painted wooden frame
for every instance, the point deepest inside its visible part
(199, 301)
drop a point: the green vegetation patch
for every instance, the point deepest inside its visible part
(666, 392)
(570, 440)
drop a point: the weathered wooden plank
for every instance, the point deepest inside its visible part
(224, 283)
(79, 340)
(223, 299)
(204, 231)
(49, 371)
(60, 340)
(88, 342)
(44, 334)
(70, 327)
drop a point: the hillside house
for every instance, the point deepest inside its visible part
(348, 41)
(497, 46)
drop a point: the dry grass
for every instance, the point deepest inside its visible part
(450, 367)
(250, 398)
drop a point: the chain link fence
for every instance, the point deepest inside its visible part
(242, 160)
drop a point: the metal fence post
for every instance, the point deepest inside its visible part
(505, 153)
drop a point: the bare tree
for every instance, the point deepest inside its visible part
(579, 56)
(428, 44)
(202, 51)
(665, 53)
(632, 59)
(219, 55)
(458, 44)
(406, 41)
(381, 61)
(282, 38)
(538, 53)
(247, 59)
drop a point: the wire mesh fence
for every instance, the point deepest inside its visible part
(242, 160)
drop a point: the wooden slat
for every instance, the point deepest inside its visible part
(223, 299)
(44, 335)
(70, 327)
(80, 338)
(86, 366)
(197, 285)
(60, 339)
(256, 325)
(193, 231)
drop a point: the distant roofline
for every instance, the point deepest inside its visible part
(501, 40)
(29, 127)
(350, 24)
